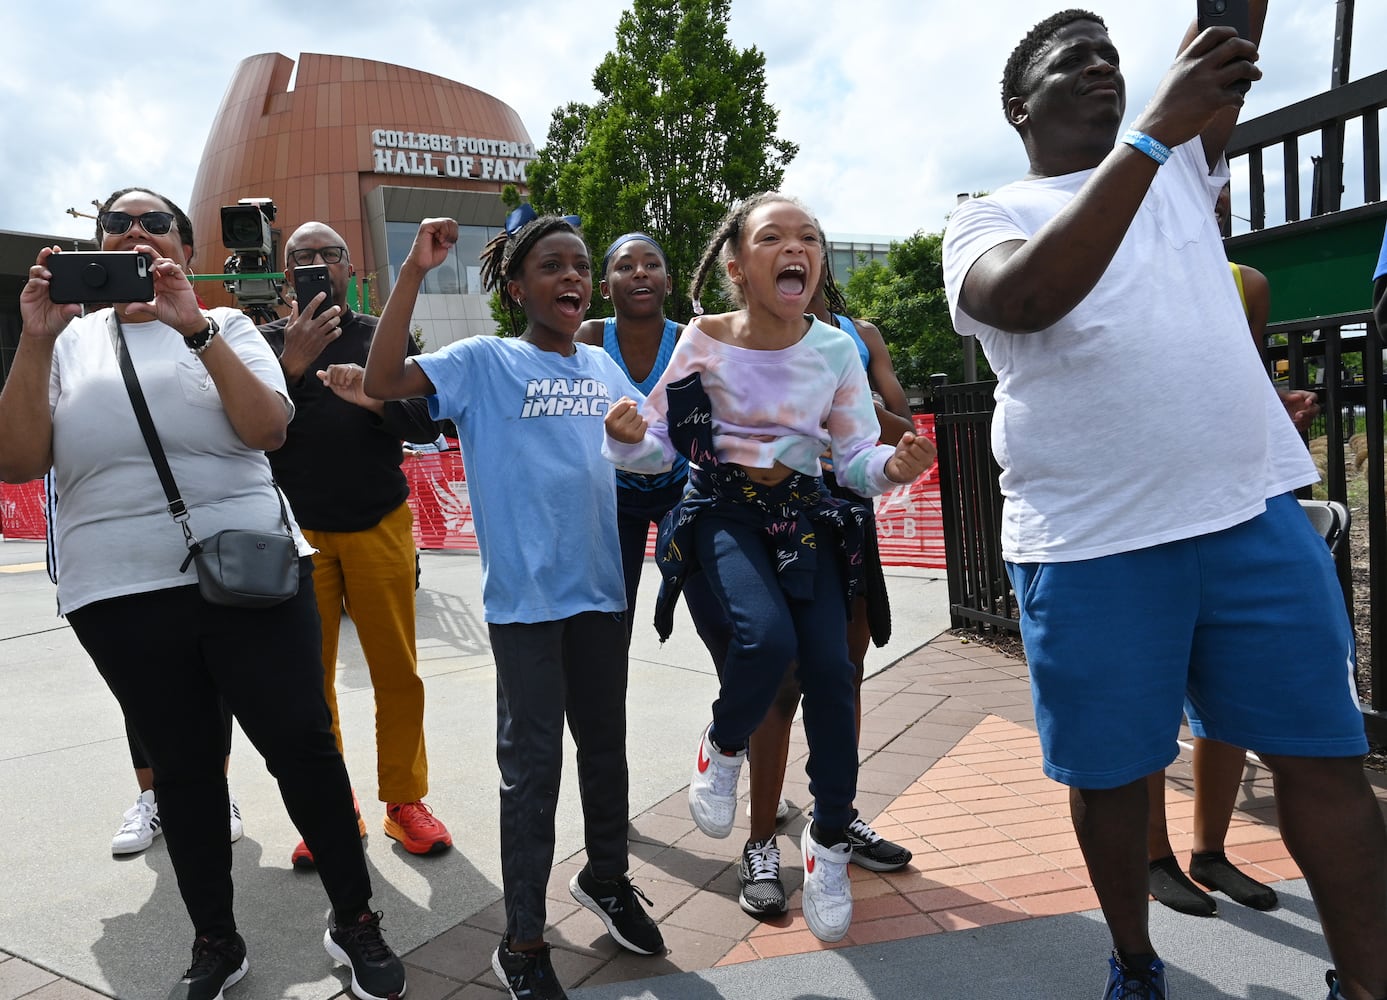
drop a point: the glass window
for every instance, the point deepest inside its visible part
(459, 274)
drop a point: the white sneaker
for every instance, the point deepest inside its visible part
(139, 826)
(238, 829)
(827, 888)
(782, 811)
(713, 788)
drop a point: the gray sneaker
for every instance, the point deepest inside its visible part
(872, 851)
(763, 894)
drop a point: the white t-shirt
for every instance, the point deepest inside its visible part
(1144, 415)
(113, 534)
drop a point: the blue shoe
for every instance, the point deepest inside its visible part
(1135, 984)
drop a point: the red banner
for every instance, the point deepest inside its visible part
(21, 510)
(909, 526)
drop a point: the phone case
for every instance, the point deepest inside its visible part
(92, 276)
(308, 282)
(1229, 13)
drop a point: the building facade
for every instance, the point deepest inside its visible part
(371, 149)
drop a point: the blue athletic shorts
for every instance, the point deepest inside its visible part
(1244, 628)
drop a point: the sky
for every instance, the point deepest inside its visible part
(894, 103)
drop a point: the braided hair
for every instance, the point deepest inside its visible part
(503, 257)
(727, 242)
(180, 218)
(833, 295)
(1033, 46)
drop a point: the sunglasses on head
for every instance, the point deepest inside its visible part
(330, 255)
(119, 223)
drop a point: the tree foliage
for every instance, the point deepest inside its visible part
(682, 131)
(905, 299)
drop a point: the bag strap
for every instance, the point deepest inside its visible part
(178, 510)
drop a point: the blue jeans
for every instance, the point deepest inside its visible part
(767, 632)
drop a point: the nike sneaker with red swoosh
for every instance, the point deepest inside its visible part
(713, 788)
(827, 898)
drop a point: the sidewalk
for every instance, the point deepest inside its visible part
(995, 904)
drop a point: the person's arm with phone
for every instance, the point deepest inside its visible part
(1216, 134)
(26, 417)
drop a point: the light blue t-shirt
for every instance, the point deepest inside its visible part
(543, 497)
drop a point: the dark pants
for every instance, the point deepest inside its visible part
(636, 511)
(171, 659)
(768, 632)
(544, 671)
(140, 760)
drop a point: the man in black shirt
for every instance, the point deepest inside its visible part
(340, 468)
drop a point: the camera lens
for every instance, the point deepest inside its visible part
(1219, 6)
(94, 275)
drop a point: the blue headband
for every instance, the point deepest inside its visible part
(625, 238)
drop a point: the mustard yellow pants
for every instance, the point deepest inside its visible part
(370, 575)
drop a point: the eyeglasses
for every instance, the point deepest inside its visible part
(330, 255)
(118, 223)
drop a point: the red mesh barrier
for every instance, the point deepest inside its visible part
(21, 510)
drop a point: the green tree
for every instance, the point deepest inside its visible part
(682, 131)
(905, 299)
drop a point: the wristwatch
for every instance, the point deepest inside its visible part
(198, 342)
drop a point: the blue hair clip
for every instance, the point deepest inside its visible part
(525, 214)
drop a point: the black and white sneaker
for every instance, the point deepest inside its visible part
(763, 894)
(377, 972)
(218, 963)
(872, 851)
(615, 901)
(528, 975)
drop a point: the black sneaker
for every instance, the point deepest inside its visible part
(873, 852)
(615, 901)
(217, 964)
(377, 972)
(763, 894)
(528, 975)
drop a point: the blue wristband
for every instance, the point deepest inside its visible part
(1142, 142)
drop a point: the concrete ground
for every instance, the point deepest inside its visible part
(996, 903)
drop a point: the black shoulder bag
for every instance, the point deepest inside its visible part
(240, 569)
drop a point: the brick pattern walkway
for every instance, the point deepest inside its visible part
(951, 769)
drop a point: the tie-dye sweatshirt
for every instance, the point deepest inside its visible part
(789, 405)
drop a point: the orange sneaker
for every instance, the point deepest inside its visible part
(415, 826)
(302, 857)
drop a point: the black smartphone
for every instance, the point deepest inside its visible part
(101, 276)
(308, 282)
(1228, 13)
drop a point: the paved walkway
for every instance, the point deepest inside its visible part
(996, 903)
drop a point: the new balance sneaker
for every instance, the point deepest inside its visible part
(827, 889)
(872, 851)
(1135, 984)
(218, 963)
(415, 826)
(528, 975)
(377, 972)
(238, 829)
(713, 788)
(302, 857)
(763, 894)
(618, 903)
(139, 825)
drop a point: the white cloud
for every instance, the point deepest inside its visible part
(893, 102)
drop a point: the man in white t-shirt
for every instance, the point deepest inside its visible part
(1158, 556)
